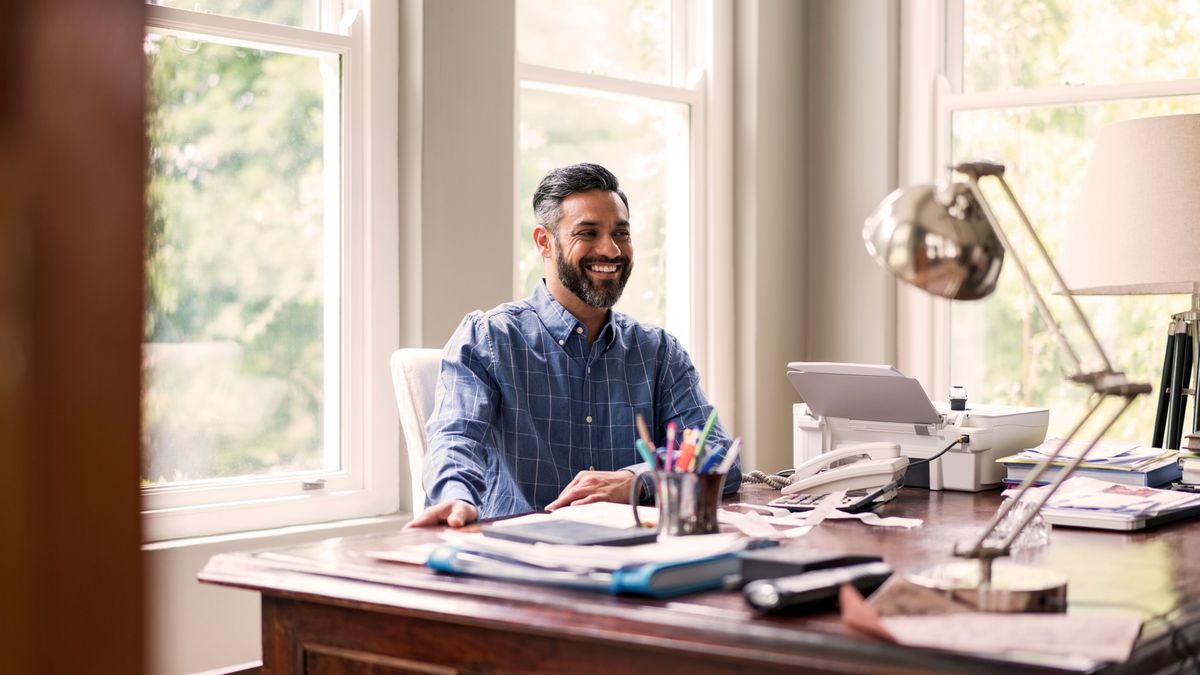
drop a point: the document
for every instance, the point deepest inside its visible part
(666, 549)
(1098, 637)
(919, 617)
(610, 514)
(1088, 494)
(1116, 453)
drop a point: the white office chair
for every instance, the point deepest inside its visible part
(414, 376)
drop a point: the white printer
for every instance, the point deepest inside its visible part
(846, 403)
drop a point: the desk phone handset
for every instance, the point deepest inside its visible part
(880, 465)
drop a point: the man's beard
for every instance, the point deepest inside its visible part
(606, 293)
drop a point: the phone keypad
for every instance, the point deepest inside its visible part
(854, 500)
(807, 501)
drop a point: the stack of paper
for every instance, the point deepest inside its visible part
(1126, 463)
(673, 566)
(1087, 502)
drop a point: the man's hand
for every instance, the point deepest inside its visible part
(453, 513)
(594, 486)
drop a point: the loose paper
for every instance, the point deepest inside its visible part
(1101, 637)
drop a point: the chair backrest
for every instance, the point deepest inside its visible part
(414, 376)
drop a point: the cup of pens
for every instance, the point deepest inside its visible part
(687, 482)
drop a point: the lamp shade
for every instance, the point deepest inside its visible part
(1137, 227)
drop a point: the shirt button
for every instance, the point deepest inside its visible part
(589, 370)
(579, 329)
(560, 342)
(589, 419)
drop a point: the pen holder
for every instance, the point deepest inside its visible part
(687, 502)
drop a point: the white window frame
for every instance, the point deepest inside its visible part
(701, 68)
(364, 121)
(930, 90)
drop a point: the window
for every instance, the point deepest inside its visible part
(257, 409)
(621, 83)
(1030, 84)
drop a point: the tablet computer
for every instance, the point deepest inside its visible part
(572, 533)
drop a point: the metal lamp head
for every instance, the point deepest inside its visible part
(938, 240)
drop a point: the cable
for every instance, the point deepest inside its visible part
(777, 481)
(960, 441)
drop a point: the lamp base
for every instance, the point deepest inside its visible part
(1013, 587)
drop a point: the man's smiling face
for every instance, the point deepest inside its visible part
(593, 250)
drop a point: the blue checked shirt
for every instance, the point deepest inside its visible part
(523, 404)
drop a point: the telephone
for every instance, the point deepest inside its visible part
(880, 465)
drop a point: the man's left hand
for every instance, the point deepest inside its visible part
(594, 486)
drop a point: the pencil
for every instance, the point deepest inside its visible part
(644, 431)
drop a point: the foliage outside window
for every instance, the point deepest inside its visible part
(1000, 349)
(582, 100)
(234, 357)
(266, 397)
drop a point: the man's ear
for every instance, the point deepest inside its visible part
(541, 239)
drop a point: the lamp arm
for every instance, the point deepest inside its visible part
(1087, 325)
(974, 171)
(1104, 383)
(1067, 470)
(1038, 300)
(1003, 548)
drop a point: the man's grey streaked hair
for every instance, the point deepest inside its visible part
(560, 183)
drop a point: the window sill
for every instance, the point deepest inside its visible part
(255, 538)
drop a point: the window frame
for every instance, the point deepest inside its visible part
(931, 92)
(701, 65)
(367, 292)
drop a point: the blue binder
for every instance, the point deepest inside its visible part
(655, 580)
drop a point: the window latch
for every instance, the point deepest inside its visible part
(316, 484)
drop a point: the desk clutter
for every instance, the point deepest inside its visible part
(777, 576)
(927, 629)
(1124, 463)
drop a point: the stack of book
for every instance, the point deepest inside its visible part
(1124, 463)
(1189, 462)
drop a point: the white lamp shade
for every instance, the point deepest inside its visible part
(1137, 228)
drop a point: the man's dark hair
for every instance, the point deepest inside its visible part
(563, 182)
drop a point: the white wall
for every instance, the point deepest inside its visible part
(192, 626)
(770, 203)
(468, 171)
(853, 69)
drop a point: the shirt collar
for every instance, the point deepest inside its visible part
(560, 323)
(557, 320)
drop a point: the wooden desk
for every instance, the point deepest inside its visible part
(405, 619)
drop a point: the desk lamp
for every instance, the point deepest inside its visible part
(948, 242)
(1137, 230)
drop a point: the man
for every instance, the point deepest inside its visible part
(537, 399)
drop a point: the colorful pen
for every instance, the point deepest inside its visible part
(711, 461)
(645, 452)
(671, 427)
(684, 461)
(730, 455)
(708, 427)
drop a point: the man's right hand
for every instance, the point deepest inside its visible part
(453, 513)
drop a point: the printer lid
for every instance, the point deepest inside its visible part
(862, 392)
